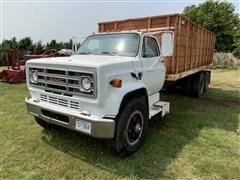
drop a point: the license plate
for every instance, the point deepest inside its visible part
(83, 126)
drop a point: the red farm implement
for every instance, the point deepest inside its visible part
(15, 72)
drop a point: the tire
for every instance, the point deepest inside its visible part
(187, 86)
(206, 81)
(131, 126)
(43, 123)
(198, 85)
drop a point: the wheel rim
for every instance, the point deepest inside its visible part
(134, 127)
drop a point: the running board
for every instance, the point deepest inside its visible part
(160, 106)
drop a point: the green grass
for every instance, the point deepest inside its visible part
(200, 139)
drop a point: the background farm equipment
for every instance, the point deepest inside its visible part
(16, 60)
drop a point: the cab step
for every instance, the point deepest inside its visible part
(160, 106)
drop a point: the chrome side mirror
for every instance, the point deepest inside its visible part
(167, 44)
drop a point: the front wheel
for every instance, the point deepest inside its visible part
(131, 127)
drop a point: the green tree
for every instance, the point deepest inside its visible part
(218, 17)
(6, 45)
(38, 48)
(25, 44)
(52, 45)
(59, 45)
(68, 45)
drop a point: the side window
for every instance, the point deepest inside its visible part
(150, 47)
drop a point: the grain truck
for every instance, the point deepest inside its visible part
(110, 87)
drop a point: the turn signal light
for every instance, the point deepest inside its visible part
(117, 83)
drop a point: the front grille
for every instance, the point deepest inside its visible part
(63, 81)
(60, 101)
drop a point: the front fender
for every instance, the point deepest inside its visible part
(116, 95)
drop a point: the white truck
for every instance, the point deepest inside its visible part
(109, 89)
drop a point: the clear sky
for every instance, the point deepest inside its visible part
(46, 20)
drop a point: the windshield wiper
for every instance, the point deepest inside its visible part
(85, 53)
(109, 52)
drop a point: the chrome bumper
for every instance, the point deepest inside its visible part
(100, 127)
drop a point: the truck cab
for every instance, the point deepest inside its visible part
(108, 89)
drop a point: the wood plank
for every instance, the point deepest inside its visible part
(175, 46)
(192, 46)
(178, 43)
(149, 23)
(186, 59)
(210, 48)
(197, 47)
(177, 76)
(115, 26)
(102, 28)
(201, 48)
(168, 21)
(206, 47)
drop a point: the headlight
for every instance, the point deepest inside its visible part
(33, 76)
(86, 83)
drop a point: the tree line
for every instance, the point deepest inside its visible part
(219, 17)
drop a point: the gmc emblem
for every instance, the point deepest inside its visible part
(54, 79)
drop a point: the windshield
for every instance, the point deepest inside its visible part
(122, 44)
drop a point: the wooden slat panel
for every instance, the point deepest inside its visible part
(178, 44)
(174, 57)
(200, 48)
(205, 47)
(192, 47)
(187, 48)
(196, 48)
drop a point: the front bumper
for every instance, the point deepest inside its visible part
(100, 127)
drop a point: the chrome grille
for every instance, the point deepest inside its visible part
(64, 81)
(60, 101)
(74, 105)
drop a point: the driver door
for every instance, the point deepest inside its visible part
(152, 65)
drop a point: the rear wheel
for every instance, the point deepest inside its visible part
(198, 84)
(131, 127)
(206, 81)
(187, 86)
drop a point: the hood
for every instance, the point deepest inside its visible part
(82, 60)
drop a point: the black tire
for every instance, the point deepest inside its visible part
(206, 81)
(198, 84)
(187, 86)
(128, 136)
(43, 123)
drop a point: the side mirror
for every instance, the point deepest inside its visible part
(77, 42)
(75, 46)
(167, 43)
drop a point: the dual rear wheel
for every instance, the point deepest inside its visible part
(197, 84)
